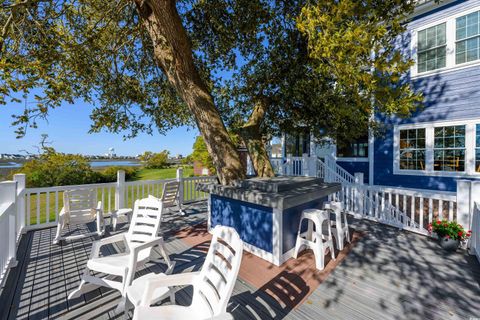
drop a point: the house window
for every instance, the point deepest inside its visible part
(276, 147)
(467, 38)
(355, 149)
(432, 48)
(477, 149)
(412, 149)
(449, 149)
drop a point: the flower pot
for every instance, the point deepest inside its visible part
(449, 244)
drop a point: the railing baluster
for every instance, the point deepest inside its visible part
(421, 212)
(47, 209)
(430, 210)
(29, 212)
(450, 211)
(412, 208)
(440, 208)
(38, 208)
(56, 206)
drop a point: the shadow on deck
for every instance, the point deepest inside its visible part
(388, 274)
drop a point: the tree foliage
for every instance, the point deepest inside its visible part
(325, 65)
(200, 154)
(155, 160)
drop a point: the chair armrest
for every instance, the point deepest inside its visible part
(180, 279)
(222, 316)
(135, 250)
(104, 241)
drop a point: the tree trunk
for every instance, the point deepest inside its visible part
(252, 137)
(173, 52)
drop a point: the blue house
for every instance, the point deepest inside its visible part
(440, 143)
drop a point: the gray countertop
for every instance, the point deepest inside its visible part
(302, 193)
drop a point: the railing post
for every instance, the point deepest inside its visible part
(21, 186)
(465, 201)
(359, 193)
(8, 194)
(180, 189)
(287, 168)
(305, 165)
(120, 190)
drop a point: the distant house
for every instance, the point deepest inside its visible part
(440, 143)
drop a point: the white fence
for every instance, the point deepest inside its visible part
(23, 209)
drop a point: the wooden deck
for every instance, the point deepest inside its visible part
(386, 274)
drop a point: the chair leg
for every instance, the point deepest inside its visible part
(59, 230)
(319, 254)
(172, 296)
(114, 223)
(298, 246)
(121, 307)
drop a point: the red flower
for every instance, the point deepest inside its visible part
(460, 233)
(447, 236)
(439, 222)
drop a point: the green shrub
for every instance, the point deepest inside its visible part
(110, 174)
(58, 169)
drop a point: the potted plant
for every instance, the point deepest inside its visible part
(449, 233)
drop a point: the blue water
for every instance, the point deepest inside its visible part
(124, 163)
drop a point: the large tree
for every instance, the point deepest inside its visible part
(145, 63)
(325, 65)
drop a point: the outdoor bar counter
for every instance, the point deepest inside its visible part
(266, 211)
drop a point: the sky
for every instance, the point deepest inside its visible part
(68, 126)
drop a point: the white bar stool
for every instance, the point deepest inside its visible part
(316, 239)
(339, 228)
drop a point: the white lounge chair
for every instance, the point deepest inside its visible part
(139, 242)
(79, 207)
(212, 285)
(170, 196)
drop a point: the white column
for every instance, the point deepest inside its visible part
(120, 190)
(358, 193)
(21, 186)
(8, 194)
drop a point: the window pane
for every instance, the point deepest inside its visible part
(449, 148)
(412, 149)
(461, 28)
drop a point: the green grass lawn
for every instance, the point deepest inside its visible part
(108, 200)
(158, 174)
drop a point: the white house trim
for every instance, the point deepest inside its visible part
(470, 132)
(352, 159)
(451, 43)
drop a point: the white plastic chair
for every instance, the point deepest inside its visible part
(115, 214)
(139, 242)
(339, 228)
(212, 285)
(316, 239)
(79, 207)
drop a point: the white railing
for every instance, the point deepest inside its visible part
(8, 227)
(44, 204)
(475, 238)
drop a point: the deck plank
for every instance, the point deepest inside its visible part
(389, 274)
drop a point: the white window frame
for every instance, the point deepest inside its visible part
(451, 42)
(470, 131)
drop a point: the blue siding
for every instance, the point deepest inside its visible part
(450, 95)
(353, 167)
(253, 223)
